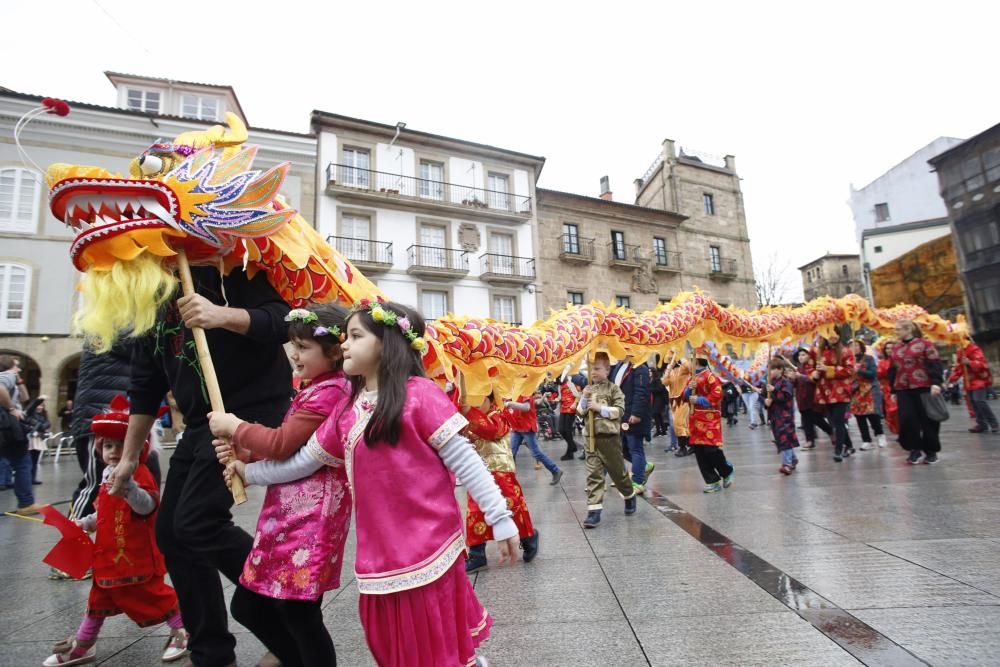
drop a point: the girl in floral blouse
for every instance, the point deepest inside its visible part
(833, 374)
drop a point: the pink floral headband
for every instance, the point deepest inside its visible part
(389, 318)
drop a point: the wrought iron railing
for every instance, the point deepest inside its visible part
(362, 250)
(434, 257)
(722, 266)
(667, 259)
(577, 247)
(507, 265)
(624, 252)
(451, 194)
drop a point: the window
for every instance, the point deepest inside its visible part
(623, 301)
(356, 230)
(505, 308)
(20, 191)
(497, 186)
(709, 201)
(878, 248)
(618, 245)
(433, 251)
(843, 269)
(571, 239)
(575, 298)
(972, 171)
(142, 100)
(434, 304)
(15, 284)
(203, 108)
(432, 180)
(986, 296)
(881, 212)
(502, 254)
(356, 165)
(715, 258)
(660, 251)
(991, 163)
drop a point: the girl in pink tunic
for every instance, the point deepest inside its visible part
(298, 548)
(402, 449)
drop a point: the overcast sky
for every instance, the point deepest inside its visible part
(809, 100)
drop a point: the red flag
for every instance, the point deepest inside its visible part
(74, 553)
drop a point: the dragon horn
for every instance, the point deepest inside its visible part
(218, 136)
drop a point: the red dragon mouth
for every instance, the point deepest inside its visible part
(100, 208)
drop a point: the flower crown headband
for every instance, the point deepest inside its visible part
(389, 318)
(308, 317)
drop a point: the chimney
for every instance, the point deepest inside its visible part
(731, 163)
(669, 150)
(606, 193)
(638, 185)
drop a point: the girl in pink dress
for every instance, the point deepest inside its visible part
(298, 548)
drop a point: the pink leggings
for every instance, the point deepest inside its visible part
(91, 627)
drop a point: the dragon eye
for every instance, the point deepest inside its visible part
(150, 164)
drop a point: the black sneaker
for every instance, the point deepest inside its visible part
(930, 458)
(630, 504)
(477, 559)
(913, 458)
(556, 476)
(530, 547)
(568, 456)
(593, 518)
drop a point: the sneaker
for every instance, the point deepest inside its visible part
(837, 457)
(978, 428)
(650, 467)
(556, 476)
(930, 458)
(881, 441)
(176, 646)
(913, 458)
(728, 480)
(73, 654)
(865, 446)
(58, 575)
(593, 518)
(538, 465)
(481, 661)
(630, 505)
(477, 559)
(28, 510)
(785, 470)
(529, 546)
(712, 488)
(849, 451)
(568, 456)
(809, 445)
(639, 489)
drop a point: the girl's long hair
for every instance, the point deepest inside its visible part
(398, 364)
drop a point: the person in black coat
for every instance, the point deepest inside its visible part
(637, 417)
(101, 378)
(660, 401)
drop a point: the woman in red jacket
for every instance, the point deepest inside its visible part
(916, 370)
(974, 370)
(889, 408)
(833, 374)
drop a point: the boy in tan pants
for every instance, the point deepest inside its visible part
(602, 405)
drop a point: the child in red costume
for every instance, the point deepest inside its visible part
(488, 430)
(128, 567)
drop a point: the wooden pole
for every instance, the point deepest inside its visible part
(207, 367)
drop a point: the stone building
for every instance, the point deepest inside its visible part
(712, 240)
(969, 176)
(832, 275)
(37, 280)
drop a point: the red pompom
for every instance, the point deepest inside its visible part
(58, 107)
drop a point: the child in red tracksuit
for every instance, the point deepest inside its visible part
(128, 567)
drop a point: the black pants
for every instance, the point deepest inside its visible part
(566, 431)
(811, 420)
(274, 621)
(93, 471)
(864, 421)
(917, 431)
(659, 412)
(36, 454)
(196, 534)
(838, 422)
(712, 463)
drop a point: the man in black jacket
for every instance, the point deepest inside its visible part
(244, 323)
(636, 420)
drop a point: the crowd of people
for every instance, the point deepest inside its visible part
(368, 436)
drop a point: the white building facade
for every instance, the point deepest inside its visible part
(442, 224)
(37, 280)
(881, 246)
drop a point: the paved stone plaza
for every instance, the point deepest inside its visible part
(869, 560)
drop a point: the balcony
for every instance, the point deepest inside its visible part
(435, 262)
(371, 256)
(722, 269)
(506, 269)
(377, 187)
(667, 261)
(624, 256)
(576, 249)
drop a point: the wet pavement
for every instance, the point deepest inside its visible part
(866, 561)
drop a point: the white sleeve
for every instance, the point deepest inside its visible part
(460, 456)
(299, 466)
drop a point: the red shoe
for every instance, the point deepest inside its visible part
(785, 470)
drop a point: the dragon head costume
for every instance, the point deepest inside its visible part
(200, 192)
